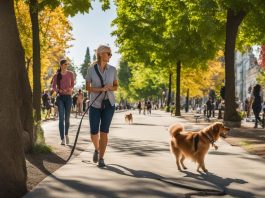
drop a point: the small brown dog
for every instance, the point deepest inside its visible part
(194, 145)
(129, 118)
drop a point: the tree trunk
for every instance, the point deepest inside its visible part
(232, 24)
(34, 14)
(178, 68)
(26, 111)
(13, 79)
(169, 92)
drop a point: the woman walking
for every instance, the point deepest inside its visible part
(256, 101)
(101, 79)
(79, 102)
(46, 101)
(63, 84)
(139, 107)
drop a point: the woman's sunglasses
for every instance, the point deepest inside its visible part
(109, 53)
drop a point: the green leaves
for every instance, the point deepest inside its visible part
(124, 74)
(73, 7)
(159, 33)
(105, 4)
(163, 31)
(86, 64)
(136, 81)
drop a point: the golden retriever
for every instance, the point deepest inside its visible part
(129, 118)
(194, 145)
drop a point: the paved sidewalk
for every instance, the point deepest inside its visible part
(138, 158)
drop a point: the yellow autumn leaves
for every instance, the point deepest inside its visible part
(55, 34)
(200, 81)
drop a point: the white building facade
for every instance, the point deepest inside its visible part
(246, 72)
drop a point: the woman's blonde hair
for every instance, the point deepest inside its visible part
(100, 49)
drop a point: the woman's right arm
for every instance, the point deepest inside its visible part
(54, 86)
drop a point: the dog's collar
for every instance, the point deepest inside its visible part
(211, 140)
(209, 137)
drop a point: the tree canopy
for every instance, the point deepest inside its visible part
(162, 34)
(55, 33)
(191, 32)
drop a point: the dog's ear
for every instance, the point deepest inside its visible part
(217, 126)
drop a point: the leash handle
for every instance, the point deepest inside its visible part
(78, 130)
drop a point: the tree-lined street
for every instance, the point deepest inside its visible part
(187, 57)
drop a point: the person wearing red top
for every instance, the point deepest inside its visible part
(80, 98)
(63, 84)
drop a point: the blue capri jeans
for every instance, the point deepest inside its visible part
(101, 117)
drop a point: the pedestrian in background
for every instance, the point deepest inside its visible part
(79, 102)
(256, 101)
(209, 107)
(246, 107)
(46, 101)
(139, 107)
(74, 102)
(149, 107)
(213, 108)
(63, 84)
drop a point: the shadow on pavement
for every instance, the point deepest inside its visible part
(196, 179)
(222, 183)
(38, 160)
(197, 187)
(74, 184)
(150, 189)
(221, 153)
(138, 147)
(256, 159)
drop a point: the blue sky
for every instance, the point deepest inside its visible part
(91, 30)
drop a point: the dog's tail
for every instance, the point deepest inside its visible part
(175, 129)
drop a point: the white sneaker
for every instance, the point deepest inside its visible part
(67, 139)
(63, 142)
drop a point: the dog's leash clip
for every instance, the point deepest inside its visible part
(215, 146)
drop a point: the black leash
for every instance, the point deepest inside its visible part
(79, 127)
